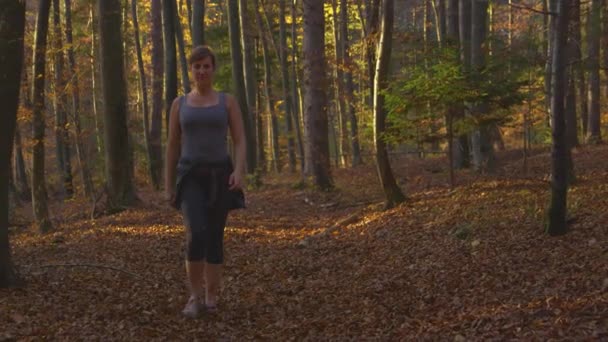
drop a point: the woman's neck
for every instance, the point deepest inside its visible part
(204, 91)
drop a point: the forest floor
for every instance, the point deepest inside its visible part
(469, 263)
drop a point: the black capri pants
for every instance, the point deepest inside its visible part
(204, 225)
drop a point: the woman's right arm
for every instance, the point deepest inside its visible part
(173, 150)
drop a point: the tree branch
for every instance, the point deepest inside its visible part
(531, 9)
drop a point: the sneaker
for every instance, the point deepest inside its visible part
(193, 308)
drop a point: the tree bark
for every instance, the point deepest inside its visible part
(579, 70)
(372, 16)
(198, 22)
(21, 178)
(170, 58)
(12, 24)
(239, 81)
(593, 65)
(295, 87)
(289, 117)
(179, 35)
(60, 101)
(573, 56)
(156, 35)
(315, 100)
(39, 193)
(392, 192)
(464, 34)
(75, 106)
(249, 72)
(559, 153)
(94, 58)
(349, 88)
(343, 145)
(119, 184)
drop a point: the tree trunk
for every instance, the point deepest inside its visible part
(342, 146)
(156, 35)
(295, 86)
(593, 65)
(483, 150)
(464, 33)
(94, 58)
(60, 101)
(315, 100)
(179, 34)
(249, 74)
(75, 107)
(455, 112)
(392, 192)
(372, 16)
(349, 88)
(12, 24)
(170, 58)
(261, 151)
(144, 95)
(579, 67)
(573, 56)
(272, 122)
(239, 81)
(560, 153)
(198, 22)
(283, 52)
(21, 178)
(549, 5)
(39, 194)
(119, 180)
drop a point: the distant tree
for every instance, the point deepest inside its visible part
(156, 123)
(170, 57)
(289, 116)
(198, 22)
(39, 194)
(560, 152)
(315, 100)
(593, 66)
(12, 24)
(392, 192)
(119, 184)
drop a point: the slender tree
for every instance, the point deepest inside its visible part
(593, 65)
(560, 152)
(349, 87)
(39, 194)
(179, 35)
(12, 24)
(239, 81)
(392, 192)
(156, 35)
(289, 116)
(170, 58)
(21, 178)
(295, 85)
(119, 184)
(60, 101)
(315, 100)
(338, 75)
(198, 22)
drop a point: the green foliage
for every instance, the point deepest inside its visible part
(425, 94)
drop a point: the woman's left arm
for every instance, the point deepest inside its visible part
(237, 132)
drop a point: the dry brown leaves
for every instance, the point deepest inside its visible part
(465, 264)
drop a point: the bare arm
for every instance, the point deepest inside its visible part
(237, 132)
(173, 149)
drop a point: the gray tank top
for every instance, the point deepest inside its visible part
(204, 130)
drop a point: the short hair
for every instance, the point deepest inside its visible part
(201, 52)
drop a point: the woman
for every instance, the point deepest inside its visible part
(200, 179)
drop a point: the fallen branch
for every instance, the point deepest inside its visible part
(338, 225)
(93, 266)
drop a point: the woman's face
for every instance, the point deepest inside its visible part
(202, 71)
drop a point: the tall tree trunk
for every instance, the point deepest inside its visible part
(239, 81)
(549, 5)
(372, 17)
(456, 111)
(560, 153)
(464, 33)
(144, 96)
(483, 150)
(94, 58)
(605, 46)
(261, 150)
(75, 107)
(283, 53)
(12, 24)
(581, 85)
(39, 194)
(179, 35)
(349, 88)
(273, 121)
(593, 64)
(315, 100)
(170, 58)
(392, 192)
(342, 146)
(60, 101)
(249, 72)
(573, 56)
(21, 178)
(295, 86)
(156, 35)
(198, 22)
(119, 180)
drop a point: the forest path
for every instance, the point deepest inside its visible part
(469, 263)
